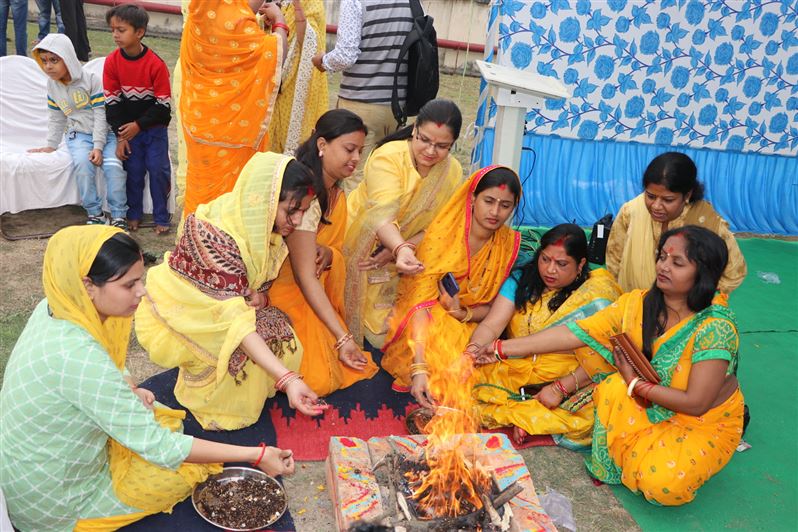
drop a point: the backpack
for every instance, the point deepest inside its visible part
(421, 49)
(597, 245)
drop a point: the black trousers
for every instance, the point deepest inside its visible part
(75, 24)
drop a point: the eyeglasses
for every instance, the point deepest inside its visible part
(429, 144)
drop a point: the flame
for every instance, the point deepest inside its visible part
(454, 478)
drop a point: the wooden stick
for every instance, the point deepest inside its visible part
(507, 494)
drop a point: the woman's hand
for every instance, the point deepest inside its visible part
(449, 303)
(324, 257)
(277, 462)
(46, 149)
(254, 299)
(407, 263)
(481, 355)
(146, 396)
(624, 368)
(271, 12)
(549, 397)
(419, 389)
(302, 398)
(376, 261)
(351, 356)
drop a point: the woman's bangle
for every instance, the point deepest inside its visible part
(260, 457)
(498, 352)
(558, 385)
(646, 390)
(576, 380)
(342, 340)
(468, 315)
(282, 25)
(287, 379)
(401, 245)
(631, 388)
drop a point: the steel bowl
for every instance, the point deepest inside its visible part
(237, 473)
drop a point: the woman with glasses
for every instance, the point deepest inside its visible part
(207, 308)
(408, 178)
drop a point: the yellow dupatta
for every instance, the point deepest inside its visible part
(637, 260)
(179, 325)
(392, 191)
(67, 260)
(445, 249)
(138, 483)
(303, 92)
(321, 368)
(229, 74)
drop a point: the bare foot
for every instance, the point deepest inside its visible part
(133, 225)
(161, 229)
(519, 435)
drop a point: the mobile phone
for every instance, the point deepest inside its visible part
(377, 251)
(529, 390)
(450, 284)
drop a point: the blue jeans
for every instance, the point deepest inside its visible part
(19, 11)
(45, 6)
(149, 153)
(80, 146)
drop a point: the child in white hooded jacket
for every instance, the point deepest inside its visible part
(76, 105)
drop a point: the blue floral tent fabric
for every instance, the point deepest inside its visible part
(715, 79)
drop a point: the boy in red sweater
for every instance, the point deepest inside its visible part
(138, 109)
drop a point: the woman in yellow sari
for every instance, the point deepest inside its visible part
(79, 449)
(672, 197)
(554, 288)
(663, 440)
(207, 309)
(303, 92)
(408, 178)
(226, 82)
(468, 239)
(310, 286)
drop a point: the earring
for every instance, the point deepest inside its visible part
(321, 153)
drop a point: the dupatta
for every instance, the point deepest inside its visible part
(229, 75)
(445, 249)
(643, 236)
(303, 93)
(67, 260)
(412, 211)
(182, 326)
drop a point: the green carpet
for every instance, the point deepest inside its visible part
(758, 489)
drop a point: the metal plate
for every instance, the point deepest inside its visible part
(238, 473)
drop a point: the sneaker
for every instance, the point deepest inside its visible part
(96, 220)
(121, 223)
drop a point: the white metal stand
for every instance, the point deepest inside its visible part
(515, 92)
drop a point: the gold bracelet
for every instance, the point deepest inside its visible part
(576, 380)
(468, 315)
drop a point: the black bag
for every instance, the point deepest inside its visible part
(597, 245)
(421, 49)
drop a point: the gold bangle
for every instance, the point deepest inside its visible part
(576, 380)
(468, 315)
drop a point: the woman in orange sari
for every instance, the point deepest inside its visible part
(468, 239)
(226, 82)
(663, 440)
(310, 286)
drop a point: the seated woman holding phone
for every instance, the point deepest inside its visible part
(665, 435)
(554, 288)
(468, 253)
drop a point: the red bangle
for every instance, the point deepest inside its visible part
(262, 452)
(500, 350)
(283, 26)
(560, 388)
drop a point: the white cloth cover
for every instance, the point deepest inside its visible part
(37, 180)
